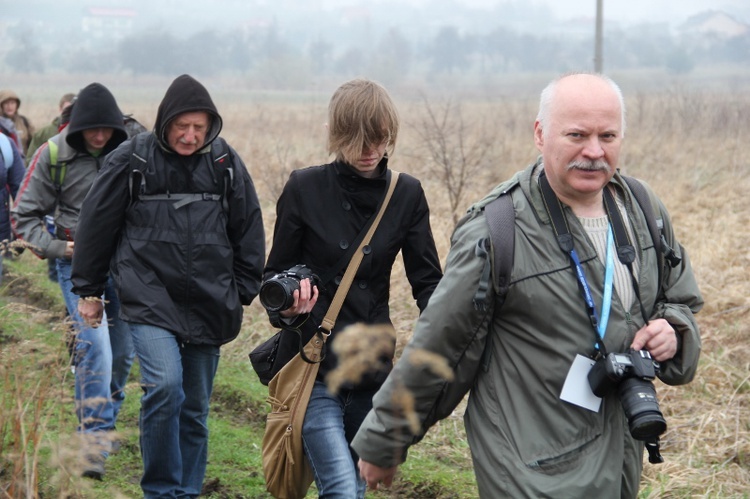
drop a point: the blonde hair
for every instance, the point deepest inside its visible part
(361, 115)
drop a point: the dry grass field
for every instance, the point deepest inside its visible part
(690, 145)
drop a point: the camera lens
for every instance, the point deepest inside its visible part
(277, 294)
(638, 398)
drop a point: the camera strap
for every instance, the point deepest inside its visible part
(625, 250)
(565, 241)
(625, 254)
(654, 456)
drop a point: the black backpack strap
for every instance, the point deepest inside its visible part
(655, 226)
(220, 153)
(139, 161)
(641, 196)
(501, 219)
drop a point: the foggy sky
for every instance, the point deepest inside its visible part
(633, 11)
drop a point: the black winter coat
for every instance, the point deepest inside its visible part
(190, 268)
(320, 212)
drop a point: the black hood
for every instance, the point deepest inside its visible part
(95, 107)
(186, 95)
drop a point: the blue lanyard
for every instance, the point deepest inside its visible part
(608, 278)
(600, 324)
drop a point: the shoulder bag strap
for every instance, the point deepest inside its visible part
(338, 300)
(334, 271)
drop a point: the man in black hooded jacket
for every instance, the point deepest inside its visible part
(57, 181)
(185, 239)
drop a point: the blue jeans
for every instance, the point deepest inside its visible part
(331, 421)
(177, 380)
(103, 356)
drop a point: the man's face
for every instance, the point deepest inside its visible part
(581, 144)
(186, 133)
(10, 107)
(97, 138)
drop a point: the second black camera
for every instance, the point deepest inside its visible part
(631, 373)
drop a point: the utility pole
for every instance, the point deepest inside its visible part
(598, 57)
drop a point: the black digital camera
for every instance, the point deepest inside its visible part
(632, 374)
(277, 293)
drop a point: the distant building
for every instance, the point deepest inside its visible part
(111, 23)
(714, 23)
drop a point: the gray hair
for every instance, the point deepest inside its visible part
(545, 99)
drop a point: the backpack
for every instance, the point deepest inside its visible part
(500, 217)
(140, 146)
(56, 170)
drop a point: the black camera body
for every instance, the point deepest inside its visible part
(277, 293)
(632, 374)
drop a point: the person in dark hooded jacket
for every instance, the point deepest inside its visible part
(103, 351)
(186, 247)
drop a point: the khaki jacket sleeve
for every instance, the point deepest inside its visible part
(680, 301)
(450, 327)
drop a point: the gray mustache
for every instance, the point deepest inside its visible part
(595, 165)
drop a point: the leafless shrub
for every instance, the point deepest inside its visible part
(458, 148)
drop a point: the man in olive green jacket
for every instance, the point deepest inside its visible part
(529, 436)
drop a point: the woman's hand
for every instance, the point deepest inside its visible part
(304, 300)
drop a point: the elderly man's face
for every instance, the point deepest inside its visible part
(10, 107)
(186, 133)
(581, 144)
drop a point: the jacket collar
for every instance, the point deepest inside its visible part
(530, 186)
(345, 170)
(64, 151)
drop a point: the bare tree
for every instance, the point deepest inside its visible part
(457, 148)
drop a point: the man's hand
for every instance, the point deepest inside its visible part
(69, 246)
(91, 311)
(375, 475)
(659, 338)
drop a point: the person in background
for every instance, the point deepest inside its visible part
(50, 130)
(528, 435)
(186, 248)
(320, 213)
(104, 350)
(9, 105)
(10, 181)
(40, 137)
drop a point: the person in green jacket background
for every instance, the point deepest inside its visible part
(534, 425)
(51, 129)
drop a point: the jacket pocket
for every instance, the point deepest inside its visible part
(561, 463)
